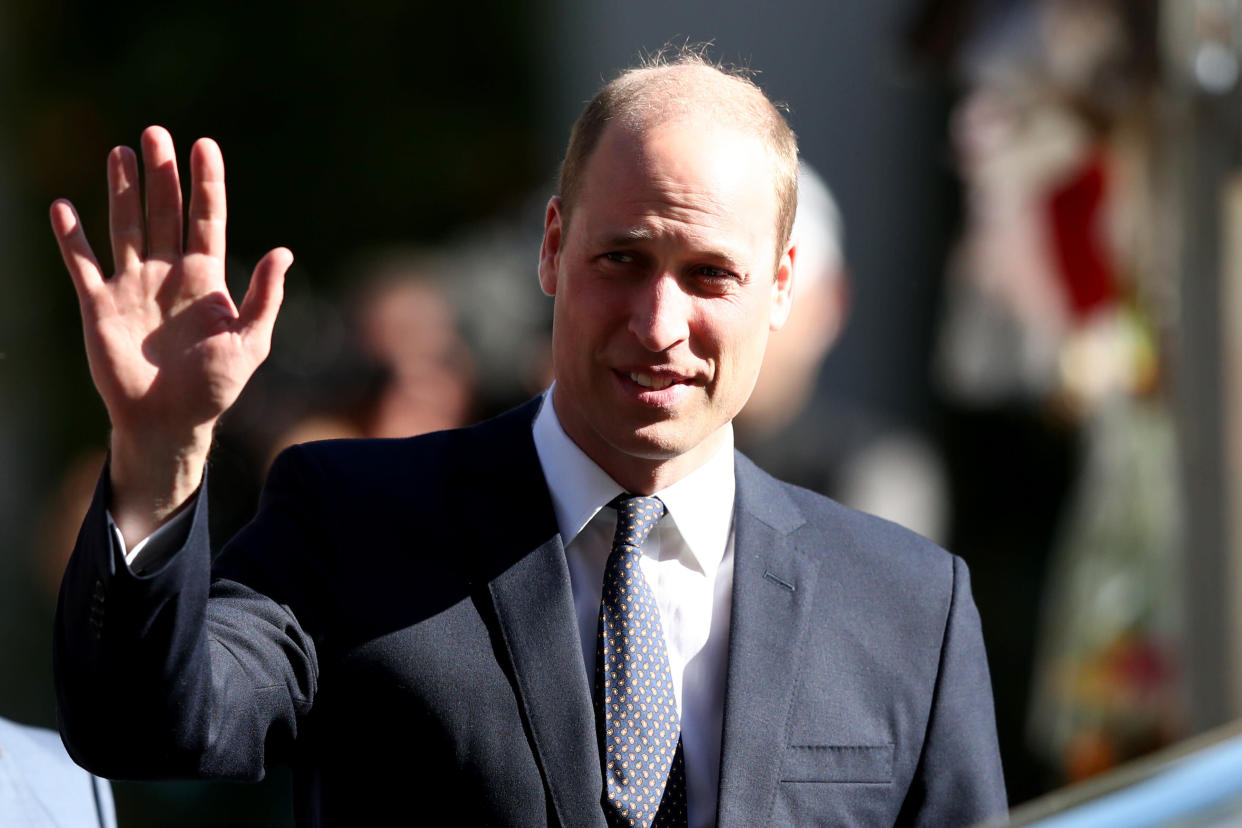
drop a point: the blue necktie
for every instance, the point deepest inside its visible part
(644, 772)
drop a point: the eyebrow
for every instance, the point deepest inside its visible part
(634, 235)
(629, 236)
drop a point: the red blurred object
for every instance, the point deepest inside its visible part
(1076, 213)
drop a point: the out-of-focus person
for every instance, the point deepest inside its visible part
(855, 456)
(1051, 361)
(404, 332)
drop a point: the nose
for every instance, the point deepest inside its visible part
(661, 314)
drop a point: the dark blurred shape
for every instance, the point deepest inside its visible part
(408, 370)
(406, 324)
(938, 28)
(60, 519)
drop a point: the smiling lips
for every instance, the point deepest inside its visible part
(655, 383)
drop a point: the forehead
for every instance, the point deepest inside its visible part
(690, 177)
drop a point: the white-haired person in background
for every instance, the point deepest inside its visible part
(857, 457)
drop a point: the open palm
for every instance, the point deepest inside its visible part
(168, 349)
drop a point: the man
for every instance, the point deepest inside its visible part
(413, 624)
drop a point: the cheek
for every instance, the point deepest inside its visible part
(579, 324)
(737, 349)
(735, 335)
(595, 310)
(745, 358)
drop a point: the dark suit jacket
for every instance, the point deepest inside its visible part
(397, 624)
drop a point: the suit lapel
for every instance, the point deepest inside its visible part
(522, 562)
(773, 587)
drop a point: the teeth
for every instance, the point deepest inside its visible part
(648, 381)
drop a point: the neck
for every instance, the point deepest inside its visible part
(639, 473)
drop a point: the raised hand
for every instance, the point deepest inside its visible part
(168, 349)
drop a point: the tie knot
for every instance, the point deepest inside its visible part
(636, 515)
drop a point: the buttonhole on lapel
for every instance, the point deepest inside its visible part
(776, 580)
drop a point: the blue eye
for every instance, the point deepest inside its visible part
(717, 275)
(715, 280)
(618, 256)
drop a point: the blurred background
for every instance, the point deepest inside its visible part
(1023, 338)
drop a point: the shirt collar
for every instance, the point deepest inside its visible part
(700, 504)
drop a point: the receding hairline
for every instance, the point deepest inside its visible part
(655, 94)
(687, 86)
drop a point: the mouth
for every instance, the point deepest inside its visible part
(651, 381)
(661, 389)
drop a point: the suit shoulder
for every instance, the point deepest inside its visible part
(407, 463)
(863, 545)
(340, 455)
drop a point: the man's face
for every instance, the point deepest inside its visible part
(667, 282)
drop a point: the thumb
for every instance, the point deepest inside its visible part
(261, 303)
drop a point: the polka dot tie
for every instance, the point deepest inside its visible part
(644, 772)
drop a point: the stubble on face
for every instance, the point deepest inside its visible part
(665, 295)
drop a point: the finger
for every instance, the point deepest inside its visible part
(124, 209)
(257, 316)
(208, 210)
(163, 194)
(75, 249)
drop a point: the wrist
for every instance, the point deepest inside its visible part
(152, 476)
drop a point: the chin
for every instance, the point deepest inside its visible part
(661, 441)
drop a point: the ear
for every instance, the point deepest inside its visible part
(782, 288)
(550, 250)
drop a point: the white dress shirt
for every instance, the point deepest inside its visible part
(688, 563)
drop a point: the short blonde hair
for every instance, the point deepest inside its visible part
(667, 86)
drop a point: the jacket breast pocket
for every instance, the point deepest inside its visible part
(838, 763)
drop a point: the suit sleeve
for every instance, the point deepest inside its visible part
(959, 780)
(166, 674)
